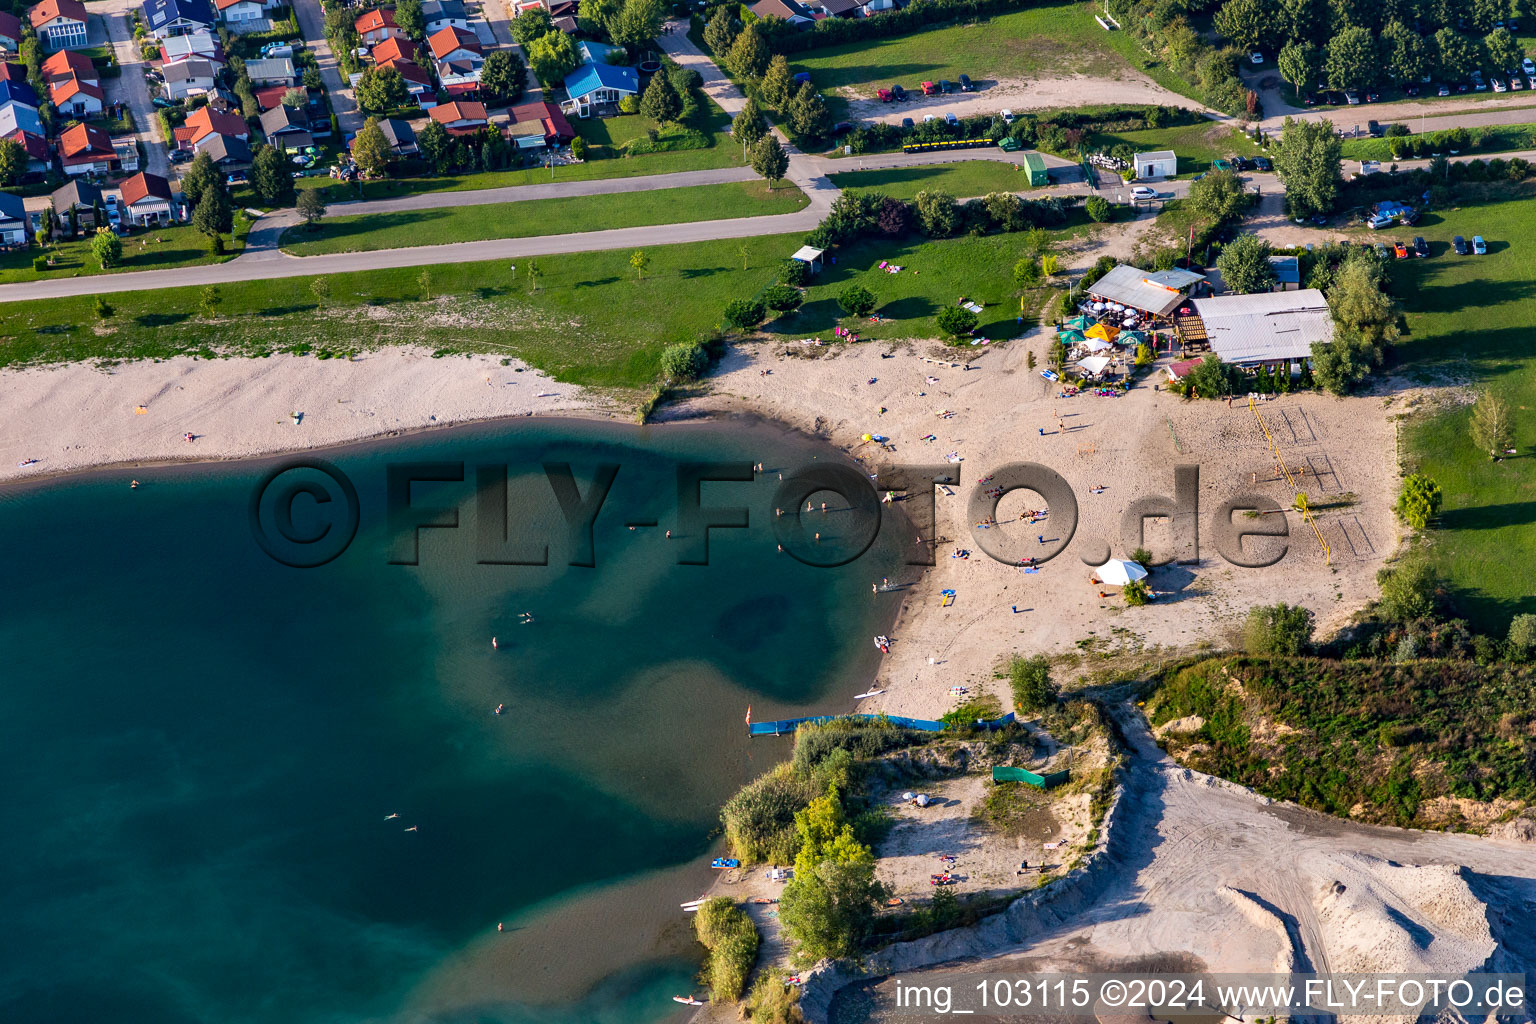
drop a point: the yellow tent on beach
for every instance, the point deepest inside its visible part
(1103, 331)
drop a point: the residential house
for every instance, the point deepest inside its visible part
(785, 10)
(192, 77)
(1287, 273)
(228, 153)
(237, 12)
(39, 153)
(76, 98)
(286, 128)
(10, 72)
(417, 80)
(59, 24)
(208, 121)
(13, 219)
(401, 136)
(84, 149)
(441, 14)
(127, 150)
(167, 18)
(529, 5)
(146, 199)
(67, 64)
(539, 120)
(837, 8)
(193, 44)
(459, 78)
(873, 7)
(18, 91)
(269, 96)
(461, 117)
(377, 25)
(10, 32)
(81, 197)
(594, 85)
(270, 71)
(455, 44)
(20, 117)
(565, 23)
(394, 48)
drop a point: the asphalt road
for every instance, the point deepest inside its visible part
(130, 87)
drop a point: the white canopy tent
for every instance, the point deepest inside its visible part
(1093, 364)
(1117, 572)
(1096, 345)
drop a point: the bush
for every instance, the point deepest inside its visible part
(956, 321)
(1521, 643)
(1135, 594)
(1419, 501)
(856, 300)
(1277, 629)
(39, 263)
(773, 1000)
(727, 932)
(629, 105)
(1408, 589)
(1098, 209)
(684, 362)
(579, 148)
(863, 738)
(745, 314)
(1030, 680)
(794, 272)
(760, 819)
(781, 298)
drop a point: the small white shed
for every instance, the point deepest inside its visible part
(1162, 164)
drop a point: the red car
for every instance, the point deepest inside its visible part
(884, 94)
(929, 89)
(1401, 251)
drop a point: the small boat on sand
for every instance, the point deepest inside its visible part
(884, 643)
(693, 905)
(764, 899)
(724, 863)
(688, 1000)
(868, 693)
(894, 901)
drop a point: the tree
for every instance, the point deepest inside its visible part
(1303, 20)
(1283, 629)
(1098, 209)
(595, 16)
(1218, 195)
(107, 248)
(894, 218)
(436, 146)
(1521, 642)
(1300, 64)
(104, 310)
(827, 911)
(1455, 54)
(504, 76)
(1408, 589)
(371, 150)
(201, 174)
(659, 102)
(936, 213)
(1358, 303)
(684, 362)
(956, 321)
(748, 55)
(1211, 379)
(424, 282)
(533, 275)
(214, 214)
(13, 162)
(530, 24)
(808, 113)
(745, 314)
(208, 301)
(296, 98)
(638, 24)
(1244, 265)
(312, 79)
(1405, 51)
(381, 90)
(1504, 52)
(1307, 161)
(1249, 24)
(721, 31)
(856, 300)
(778, 84)
(639, 260)
(1341, 364)
(781, 298)
(1030, 680)
(769, 159)
(320, 288)
(311, 207)
(1353, 62)
(1026, 272)
(408, 18)
(1419, 501)
(552, 56)
(1491, 430)
(749, 125)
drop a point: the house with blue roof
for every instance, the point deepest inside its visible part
(596, 85)
(168, 18)
(18, 91)
(19, 117)
(13, 220)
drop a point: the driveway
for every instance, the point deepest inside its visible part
(130, 88)
(312, 24)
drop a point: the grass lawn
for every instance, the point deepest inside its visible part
(604, 136)
(590, 322)
(1196, 144)
(934, 274)
(1471, 318)
(1055, 37)
(963, 180)
(1502, 138)
(145, 249)
(543, 217)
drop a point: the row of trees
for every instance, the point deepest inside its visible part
(1164, 28)
(1357, 58)
(743, 51)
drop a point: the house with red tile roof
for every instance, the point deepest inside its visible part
(146, 199)
(377, 26)
(453, 43)
(417, 80)
(233, 12)
(68, 64)
(207, 121)
(59, 24)
(394, 48)
(461, 117)
(76, 98)
(39, 155)
(85, 148)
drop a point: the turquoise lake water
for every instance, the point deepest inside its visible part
(200, 747)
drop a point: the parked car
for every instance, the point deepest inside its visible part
(1409, 216)
(1515, 85)
(842, 128)
(951, 118)
(1238, 163)
(1530, 80)
(1444, 90)
(898, 93)
(1375, 128)
(1479, 247)
(238, 178)
(1256, 57)
(1143, 192)
(1382, 252)
(1528, 66)
(1262, 163)
(946, 86)
(1498, 84)
(1308, 100)
(1400, 251)
(1460, 245)
(906, 122)
(1371, 95)
(1351, 97)
(1380, 220)
(1007, 117)
(930, 88)
(1420, 247)
(930, 117)
(1478, 84)
(1220, 165)
(965, 84)
(181, 156)
(884, 95)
